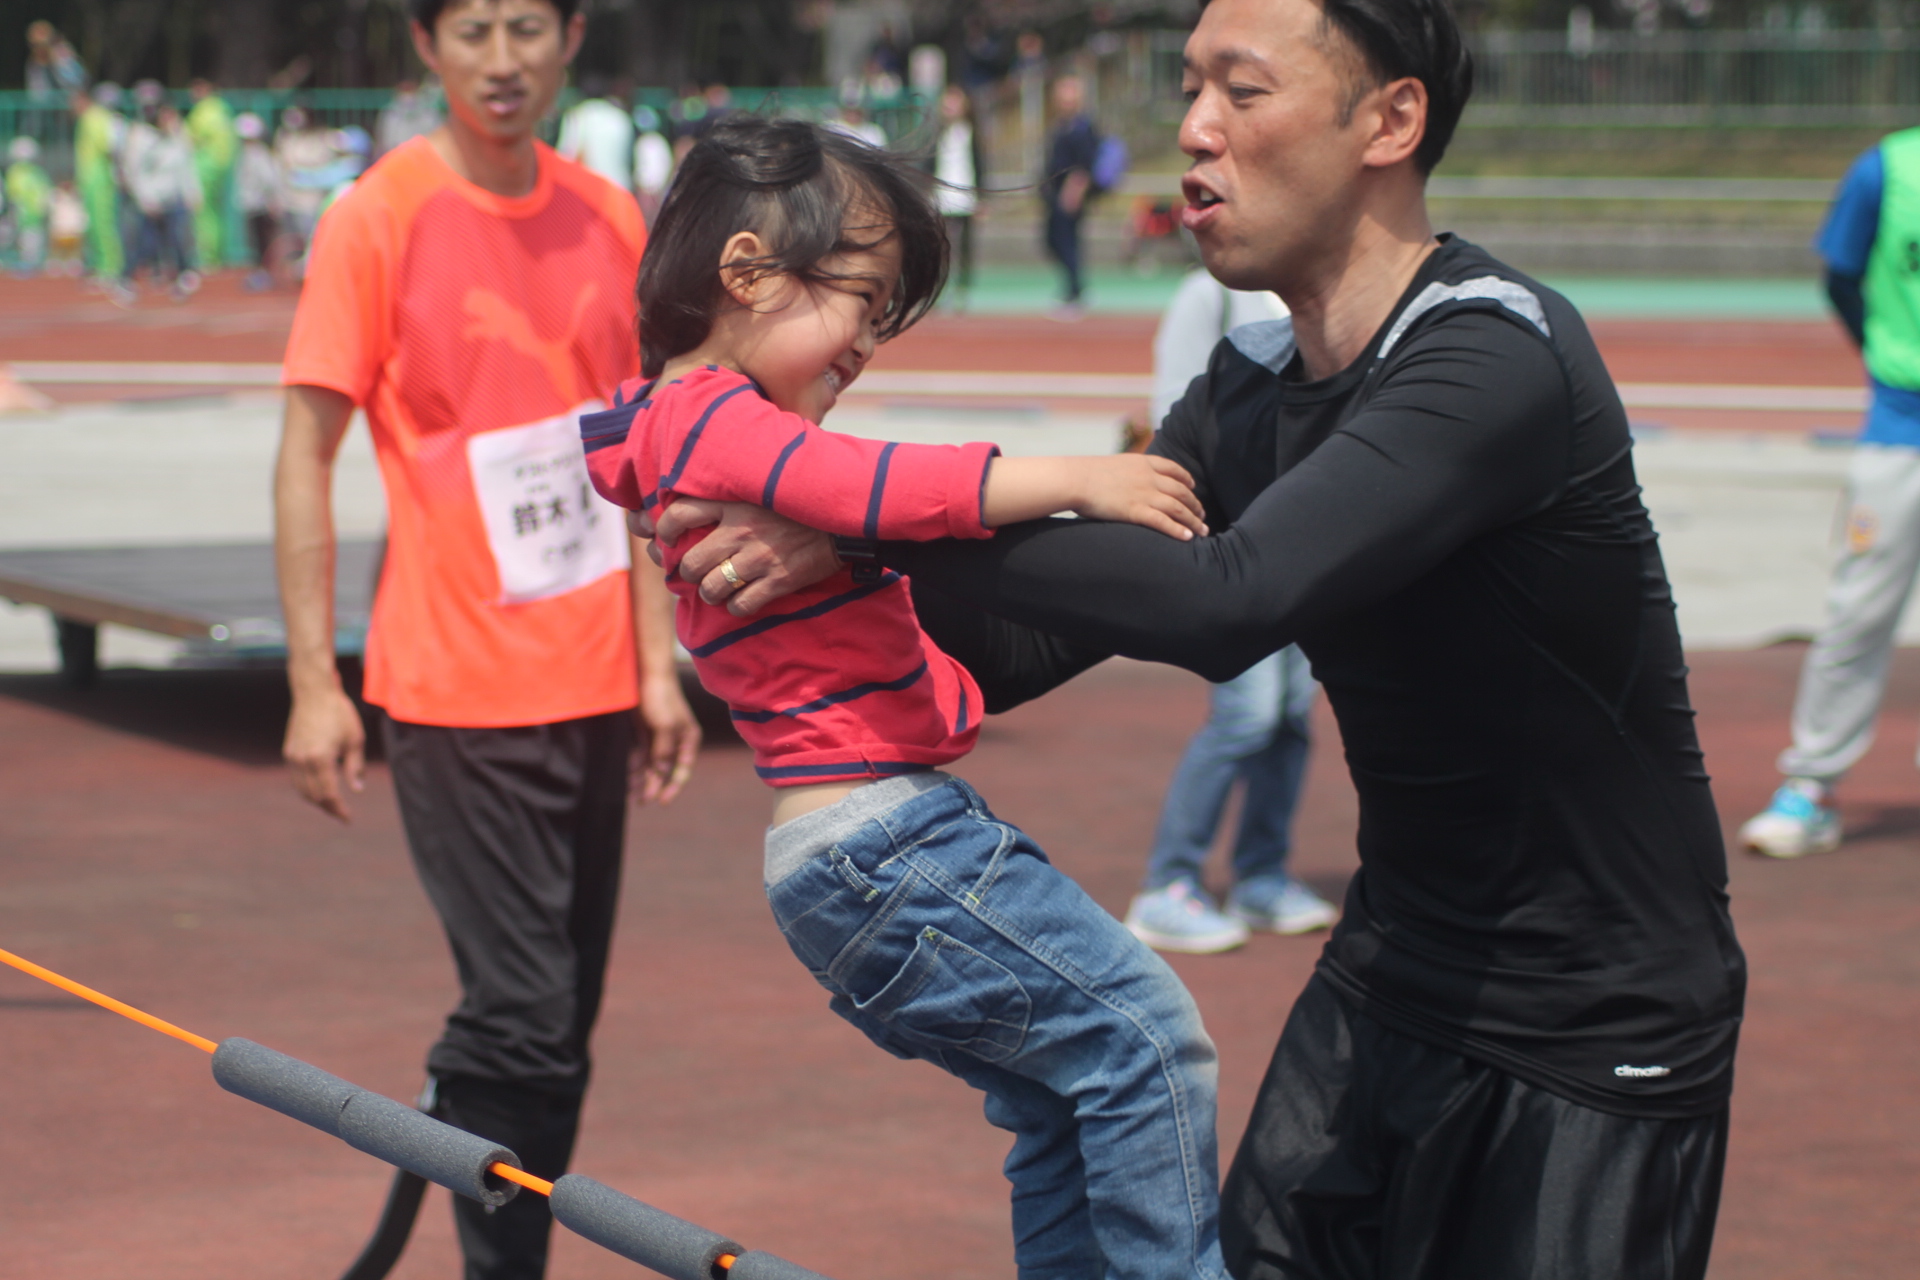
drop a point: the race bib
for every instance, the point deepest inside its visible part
(550, 533)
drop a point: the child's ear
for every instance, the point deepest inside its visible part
(743, 285)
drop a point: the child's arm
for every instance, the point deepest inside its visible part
(740, 448)
(1138, 488)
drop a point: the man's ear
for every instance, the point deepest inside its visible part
(423, 46)
(574, 35)
(1399, 109)
(748, 289)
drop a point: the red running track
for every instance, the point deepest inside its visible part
(56, 320)
(153, 849)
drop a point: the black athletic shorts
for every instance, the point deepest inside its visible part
(517, 836)
(1374, 1156)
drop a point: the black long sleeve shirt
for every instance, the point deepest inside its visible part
(1451, 530)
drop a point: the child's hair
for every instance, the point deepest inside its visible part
(808, 193)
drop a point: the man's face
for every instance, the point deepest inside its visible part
(1275, 172)
(1068, 97)
(501, 62)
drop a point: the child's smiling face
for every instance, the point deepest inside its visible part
(805, 343)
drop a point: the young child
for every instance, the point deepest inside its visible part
(66, 229)
(782, 255)
(256, 190)
(29, 196)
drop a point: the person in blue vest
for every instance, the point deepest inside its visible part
(1871, 246)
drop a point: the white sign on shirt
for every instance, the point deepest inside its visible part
(550, 533)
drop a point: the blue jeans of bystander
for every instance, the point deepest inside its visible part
(1256, 729)
(163, 242)
(1063, 243)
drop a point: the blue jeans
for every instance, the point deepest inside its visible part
(1257, 729)
(946, 935)
(1063, 243)
(163, 242)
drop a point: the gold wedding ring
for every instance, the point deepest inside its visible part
(734, 580)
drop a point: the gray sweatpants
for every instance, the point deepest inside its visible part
(1846, 669)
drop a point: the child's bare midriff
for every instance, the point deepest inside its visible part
(795, 801)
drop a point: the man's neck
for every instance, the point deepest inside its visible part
(506, 167)
(1337, 311)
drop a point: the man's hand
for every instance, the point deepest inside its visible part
(771, 555)
(669, 736)
(1073, 192)
(670, 740)
(326, 744)
(325, 739)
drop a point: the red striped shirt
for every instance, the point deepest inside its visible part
(840, 684)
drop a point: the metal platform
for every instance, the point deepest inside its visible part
(221, 598)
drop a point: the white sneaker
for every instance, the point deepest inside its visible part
(1800, 819)
(1281, 904)
(1182, 918)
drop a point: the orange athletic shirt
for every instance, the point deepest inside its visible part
(474, 329)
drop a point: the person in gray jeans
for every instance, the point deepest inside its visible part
(1256, 729)
(1873, 279)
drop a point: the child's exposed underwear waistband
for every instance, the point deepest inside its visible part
(792, 844)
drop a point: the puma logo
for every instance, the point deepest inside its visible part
(492, 317)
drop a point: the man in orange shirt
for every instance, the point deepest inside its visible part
(473, 293)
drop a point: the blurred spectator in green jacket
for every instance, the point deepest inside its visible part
(29, 192)
(210, 130)
(98, 132)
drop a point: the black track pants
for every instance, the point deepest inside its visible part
(1374, 1156)
(510, 1242)
(516, 835)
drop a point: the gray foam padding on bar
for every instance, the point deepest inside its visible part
(287, 1085)
(637, 1232)
(435, 1150)
(754, 1265)
(377, 1125)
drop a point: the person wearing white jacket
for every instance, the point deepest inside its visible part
(956, 167)
(598, 133)
(256, 188)
(161, 180)
(1257, 724)
(652, 161)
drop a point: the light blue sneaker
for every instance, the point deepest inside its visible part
(1181, 917)
(1800, 819)
(1280, 904)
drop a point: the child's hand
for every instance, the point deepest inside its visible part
(1142, 489)
(1137, 488)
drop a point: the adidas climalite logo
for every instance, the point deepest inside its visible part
(1643, 1073)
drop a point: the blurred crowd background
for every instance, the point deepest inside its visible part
(1609, 137)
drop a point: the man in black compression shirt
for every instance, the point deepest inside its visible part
(1515, 1057)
